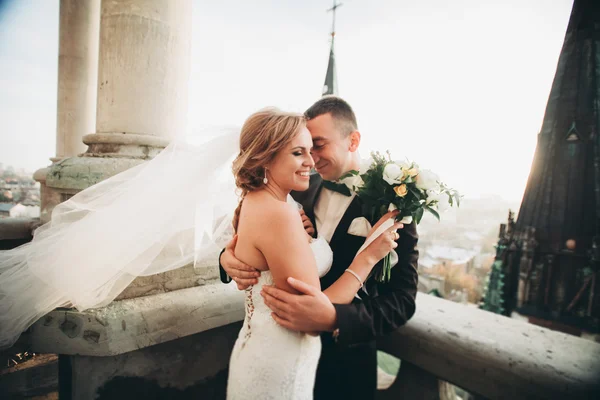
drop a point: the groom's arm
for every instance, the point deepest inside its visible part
(394, 304)
(230, 268)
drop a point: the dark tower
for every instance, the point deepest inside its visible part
(550, 256)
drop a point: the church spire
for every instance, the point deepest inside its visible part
(330, 86)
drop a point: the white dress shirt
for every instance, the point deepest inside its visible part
(329, 209)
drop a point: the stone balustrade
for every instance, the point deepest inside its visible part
(487, 354)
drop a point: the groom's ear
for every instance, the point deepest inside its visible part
(354, 141)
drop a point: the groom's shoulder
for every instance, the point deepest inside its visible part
(315, 179)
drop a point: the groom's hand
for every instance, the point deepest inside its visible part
(310, 311)
(243, 275)
(308, 226)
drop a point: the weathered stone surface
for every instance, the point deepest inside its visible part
(136, 323)
(496, 356)
(180, 278)
(49, 197)
(78, 173)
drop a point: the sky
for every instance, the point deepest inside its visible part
(458, 86)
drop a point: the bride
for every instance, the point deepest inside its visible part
(101, 239)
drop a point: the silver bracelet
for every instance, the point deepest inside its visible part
(356, 276)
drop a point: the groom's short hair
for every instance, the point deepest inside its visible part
(340, 111)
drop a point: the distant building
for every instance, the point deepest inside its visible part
(5, 209)
(446, 255)
(429, 283)
(11, 210)
(23, 211)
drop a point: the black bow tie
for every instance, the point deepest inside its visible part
(337, 187)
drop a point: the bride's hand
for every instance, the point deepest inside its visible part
(385, 243)
(385, 217)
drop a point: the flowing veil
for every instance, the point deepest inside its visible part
(160, 215)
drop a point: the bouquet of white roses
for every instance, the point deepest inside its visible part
(384, 185)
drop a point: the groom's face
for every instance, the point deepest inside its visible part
(331, 150)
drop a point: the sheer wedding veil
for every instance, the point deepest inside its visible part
(155, 217)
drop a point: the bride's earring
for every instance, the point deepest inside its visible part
(265, 180)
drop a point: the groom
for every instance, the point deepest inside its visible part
(348, 364)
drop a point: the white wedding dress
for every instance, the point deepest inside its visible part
(269, 361)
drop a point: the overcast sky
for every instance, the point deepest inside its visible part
(459, 86)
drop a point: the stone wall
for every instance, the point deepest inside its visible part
(193, 367)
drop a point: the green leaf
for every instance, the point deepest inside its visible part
(418, 215)
(435, 213)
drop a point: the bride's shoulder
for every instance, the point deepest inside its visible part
(269, 209)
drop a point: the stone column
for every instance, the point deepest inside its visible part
(77, 74)
(143, 76)
(79, 35)
(143, 73)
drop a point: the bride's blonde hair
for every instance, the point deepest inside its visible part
(264, 134)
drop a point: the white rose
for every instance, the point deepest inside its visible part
(427, 180)
(442, 201)
(353, 182)
(365, 165)
(392, 174)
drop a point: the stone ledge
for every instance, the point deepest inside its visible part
(132, 324)
(125, 138)
(496, 356)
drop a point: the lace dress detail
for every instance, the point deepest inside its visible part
(269, 361)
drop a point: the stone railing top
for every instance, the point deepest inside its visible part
(496, 356)
(132, 324)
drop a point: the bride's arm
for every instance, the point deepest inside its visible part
(342, 291)
(283, 243)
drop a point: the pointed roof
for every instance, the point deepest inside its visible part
(330, 85)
